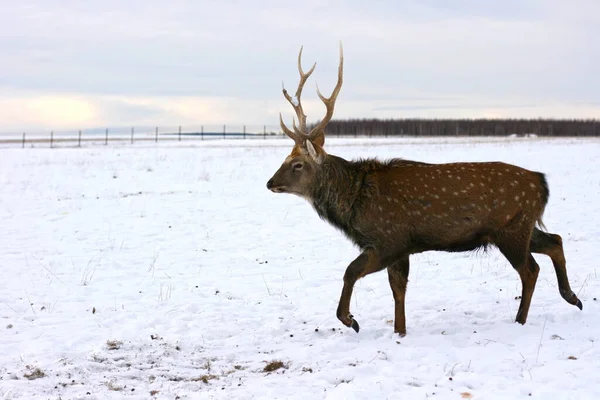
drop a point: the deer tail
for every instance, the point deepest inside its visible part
(544, 196)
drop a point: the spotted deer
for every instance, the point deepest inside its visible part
(392, 209)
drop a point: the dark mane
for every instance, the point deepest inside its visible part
(338, 204)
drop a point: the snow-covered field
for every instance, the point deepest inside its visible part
(170, 271)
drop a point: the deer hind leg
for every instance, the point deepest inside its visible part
(398, 277)
(551, 245)
(365, 264)
(518, 254)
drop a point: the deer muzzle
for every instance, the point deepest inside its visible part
(273, 188)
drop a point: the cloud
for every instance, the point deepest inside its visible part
(69, 62)
(63, 111)
(45, 111)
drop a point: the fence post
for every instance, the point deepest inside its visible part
(224, 130)
(180, 133)
(79, 139)
(106, 137)
(51, 139)
(156, 135)
(132, 135)
(244, 131)
(23, 146)
(202, 132)
(264, 131)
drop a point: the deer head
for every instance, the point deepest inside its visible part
(299, 168)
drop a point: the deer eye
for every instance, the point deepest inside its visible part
(297, 166)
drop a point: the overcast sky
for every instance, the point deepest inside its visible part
(78, 64)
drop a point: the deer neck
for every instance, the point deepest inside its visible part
(335, 192)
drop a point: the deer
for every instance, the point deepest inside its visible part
(396, 208)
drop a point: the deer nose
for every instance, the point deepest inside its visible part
(270, 183)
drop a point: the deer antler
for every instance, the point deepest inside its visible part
(319, 129)
(299, 133)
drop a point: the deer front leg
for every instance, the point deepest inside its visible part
(365, 264)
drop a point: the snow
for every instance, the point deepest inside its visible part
(169, 271)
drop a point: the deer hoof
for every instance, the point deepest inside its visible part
(350, 322)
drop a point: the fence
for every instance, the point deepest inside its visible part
(78, 138)
(339, 128)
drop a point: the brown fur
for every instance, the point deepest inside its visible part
(393, 209)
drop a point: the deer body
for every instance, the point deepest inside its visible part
(416, 207)
(397, 208)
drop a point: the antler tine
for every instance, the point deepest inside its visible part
(329, 102)
(303, 78)
(300, 134)
(297, 105)
(292, 135)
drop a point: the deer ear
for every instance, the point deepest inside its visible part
(315, 151)
(320, 139)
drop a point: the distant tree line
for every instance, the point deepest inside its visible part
(464, 127)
